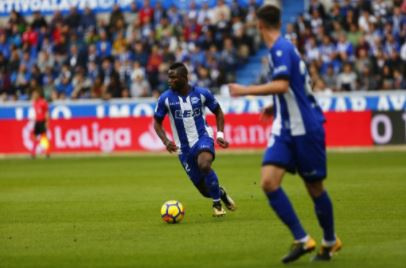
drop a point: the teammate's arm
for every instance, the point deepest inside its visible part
(218, 112)
(170, 145)
(275, 87)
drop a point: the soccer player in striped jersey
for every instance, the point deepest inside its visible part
(297, 143)
(185, 106)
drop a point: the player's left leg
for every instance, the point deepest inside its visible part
(205, 181)
(35, 139)
(324, 212)
(312, 167)
(44, 141)
(35, 142)
(190, 166)
(204, 161)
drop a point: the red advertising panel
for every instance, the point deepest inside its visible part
(137, 134)
(348, 129)
(83, 135)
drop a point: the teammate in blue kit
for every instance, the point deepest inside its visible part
(185, 106)
(297, 143)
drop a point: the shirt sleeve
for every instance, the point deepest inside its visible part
(281, 58)
(160, 108)
(210, 101)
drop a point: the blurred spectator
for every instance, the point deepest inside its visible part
(21, 80)
(97, 88)
(388, 81)
(316, 5)
(63, 83)
(115, 17)
(347, 79)
(38, 21)
(6, 91)
(330, 78)
(48, 85)
(81, 85)
(312, 51)
(363, 61)
(146, 12)
(221, 12)
(367, 80)
(139, 85)
(88, 20)
(205, 13)
(354, 35)
(399, 80)
(320, 86)
(73, 19)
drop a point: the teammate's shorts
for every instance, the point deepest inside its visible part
(189, 159)
(305, 154)
(39, 128)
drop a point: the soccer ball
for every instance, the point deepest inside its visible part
(172, 211)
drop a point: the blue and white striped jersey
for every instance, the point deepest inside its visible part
(187, 114)
(296, 112)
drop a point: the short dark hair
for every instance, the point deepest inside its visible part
(180, 68)
(270, 15)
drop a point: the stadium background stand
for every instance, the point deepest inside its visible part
(126, 54)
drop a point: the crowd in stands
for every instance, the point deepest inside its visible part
(124, 54)
(353, 45)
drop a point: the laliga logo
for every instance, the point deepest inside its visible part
(107, 139)
(150, 141)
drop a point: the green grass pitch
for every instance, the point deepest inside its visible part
(105, 212)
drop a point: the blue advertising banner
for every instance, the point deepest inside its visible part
(376, 101)
(27, 7)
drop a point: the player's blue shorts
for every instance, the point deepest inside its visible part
(189, 159)
(305, 154)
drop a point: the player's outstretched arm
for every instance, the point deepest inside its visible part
(274, 87)
(170, 145)
(220, 128)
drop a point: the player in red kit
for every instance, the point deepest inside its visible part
(41, 124)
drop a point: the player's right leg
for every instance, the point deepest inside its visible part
(277, 160)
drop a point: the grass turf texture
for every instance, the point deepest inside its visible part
(105, 212)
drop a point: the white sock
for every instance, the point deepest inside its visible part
(328, 243)
(304, 239)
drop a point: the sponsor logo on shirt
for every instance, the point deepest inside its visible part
(179, 114)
